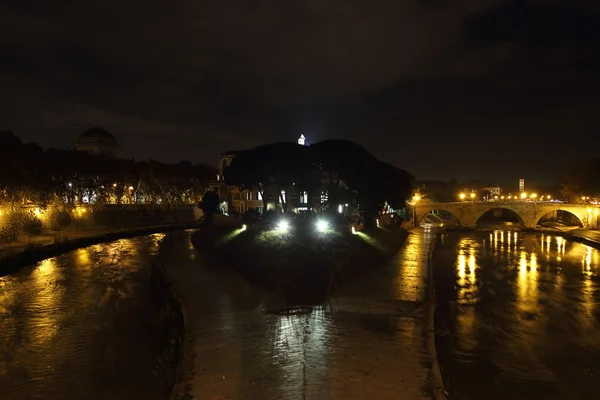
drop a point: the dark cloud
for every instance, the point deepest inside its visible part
(187, 79)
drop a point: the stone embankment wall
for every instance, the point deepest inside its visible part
(60, 217)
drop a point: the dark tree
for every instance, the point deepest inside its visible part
(385, 183)
(209, 205)
(30, 174)
(249, 170)
(342, 161)
(581, 179)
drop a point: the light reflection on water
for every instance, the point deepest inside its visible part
(518, 316)
(76, 326)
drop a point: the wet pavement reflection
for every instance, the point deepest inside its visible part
(517, 316)
(81, 325)
(365, 343)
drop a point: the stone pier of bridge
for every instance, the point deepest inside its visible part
(468, 212)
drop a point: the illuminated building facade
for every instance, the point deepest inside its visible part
(236, 200)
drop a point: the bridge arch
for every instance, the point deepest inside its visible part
(513, 215)
(424, 212)
(579, 217)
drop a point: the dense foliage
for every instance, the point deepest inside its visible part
(348, 173)
(30, 174)
(581, 180)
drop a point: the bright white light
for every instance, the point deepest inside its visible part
(283, 226)
(353, 231)
(340, 209)
(322, 226)
(244, 227)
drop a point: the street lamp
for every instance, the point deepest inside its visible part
(523, 195)
(533, 195)
(415, 201)
(472, 196)
(462, 196)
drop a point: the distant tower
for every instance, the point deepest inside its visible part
(97, 140)
(301, 140)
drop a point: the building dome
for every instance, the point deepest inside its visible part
(97, 140)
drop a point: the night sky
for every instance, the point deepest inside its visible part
(481, 89)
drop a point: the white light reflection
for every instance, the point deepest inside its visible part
(561, 245)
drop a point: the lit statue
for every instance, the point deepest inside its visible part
(301, 140)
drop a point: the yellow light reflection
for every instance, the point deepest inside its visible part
(523, 265)
(466, 266)
(588, 298)
(548, 242)
(586, 261)
(472, 268)
(527, 283)
(48, 298)
(46, 267)
(410, 274)
(542, 243)
(462, 266)
(83, 256)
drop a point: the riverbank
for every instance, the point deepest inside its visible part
(302, 267)
(23, 253)
(369, 340)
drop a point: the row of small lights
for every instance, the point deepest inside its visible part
(102, 187)
(524, 196)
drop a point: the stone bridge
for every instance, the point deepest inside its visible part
(468, 212)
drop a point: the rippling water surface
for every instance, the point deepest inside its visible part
(82, 325)
(517, 316)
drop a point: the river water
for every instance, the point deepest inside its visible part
(517, 316)
(83, 325)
